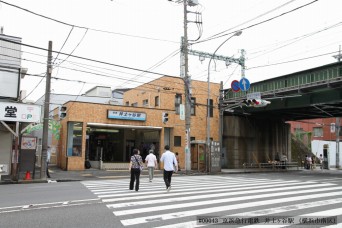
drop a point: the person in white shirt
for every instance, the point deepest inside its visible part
(170, 166)
(321, 160)
(309, 162)
(151, 162)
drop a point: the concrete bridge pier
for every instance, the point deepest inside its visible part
(250, 140)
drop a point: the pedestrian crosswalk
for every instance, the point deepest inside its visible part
(227, 198)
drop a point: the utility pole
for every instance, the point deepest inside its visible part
(337, 126)
(46, 114)
(187, 89)
(184, 68)
(228, 61)
(337, 132)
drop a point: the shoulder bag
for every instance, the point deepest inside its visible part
(141, 167)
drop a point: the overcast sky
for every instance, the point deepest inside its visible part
(279, 37)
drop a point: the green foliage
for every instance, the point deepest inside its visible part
(54, 127)
(298, 148)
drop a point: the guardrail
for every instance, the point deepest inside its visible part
(272, 166)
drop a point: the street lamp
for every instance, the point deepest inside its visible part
(238, 33)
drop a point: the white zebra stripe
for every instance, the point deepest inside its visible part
(269, 211)
(193, 189)
(195, 179)
(177, 178)
(104, 186)
(186, 189)
(209, 202)
(162, 187)
(260, 189)
(197, 212)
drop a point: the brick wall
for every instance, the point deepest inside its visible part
(166, 88)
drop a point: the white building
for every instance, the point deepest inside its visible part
(328, 150)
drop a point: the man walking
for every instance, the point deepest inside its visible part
(170, 161)
(151, 162)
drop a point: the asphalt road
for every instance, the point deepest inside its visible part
(109, 203)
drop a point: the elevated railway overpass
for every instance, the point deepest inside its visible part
(254, 135)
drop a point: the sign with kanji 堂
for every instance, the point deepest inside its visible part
(19, 112)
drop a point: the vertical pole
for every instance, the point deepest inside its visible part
(242, 63)
(337, 132)
(187, 87)
(46, 113)
(15, 167)
(337, 126)
(221, 111)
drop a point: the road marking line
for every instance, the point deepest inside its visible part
(182, 214)
(218, 201)
(205, 196)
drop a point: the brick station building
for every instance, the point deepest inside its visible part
(106, 134)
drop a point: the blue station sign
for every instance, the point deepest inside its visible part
(122, 115)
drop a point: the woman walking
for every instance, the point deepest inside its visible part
(135, 167)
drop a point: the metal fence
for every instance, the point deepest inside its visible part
(273, 166)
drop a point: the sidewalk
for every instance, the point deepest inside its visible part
(59, 175)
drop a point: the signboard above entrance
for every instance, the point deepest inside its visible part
(122, 115)
(19, 112)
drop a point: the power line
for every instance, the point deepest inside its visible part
(98, 73)
(249, 68)
(259, 16)
(86, 66)
(83, 27)
(256, 24)
(174, 53)
(87, 59)
(105, 75)
(87, 72)
(72, 28)
(296, 39)
(85, 33)
(290, 61)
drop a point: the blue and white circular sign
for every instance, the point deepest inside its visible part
(244, 84)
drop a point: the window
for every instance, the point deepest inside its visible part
(298, 130)
(193, 106)
(145, 102)
(135, 104)
(74, 142)
(177, 141)
(178, 102)
(332, 127)
(211, 108)
(156, 101)
(318, 132)
(127, 103)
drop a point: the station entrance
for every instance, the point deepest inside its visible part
(115, 144)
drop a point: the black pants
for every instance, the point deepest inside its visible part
(47, 170)
(167, 178)
(135, 174)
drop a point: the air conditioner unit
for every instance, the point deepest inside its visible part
(3, 168)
